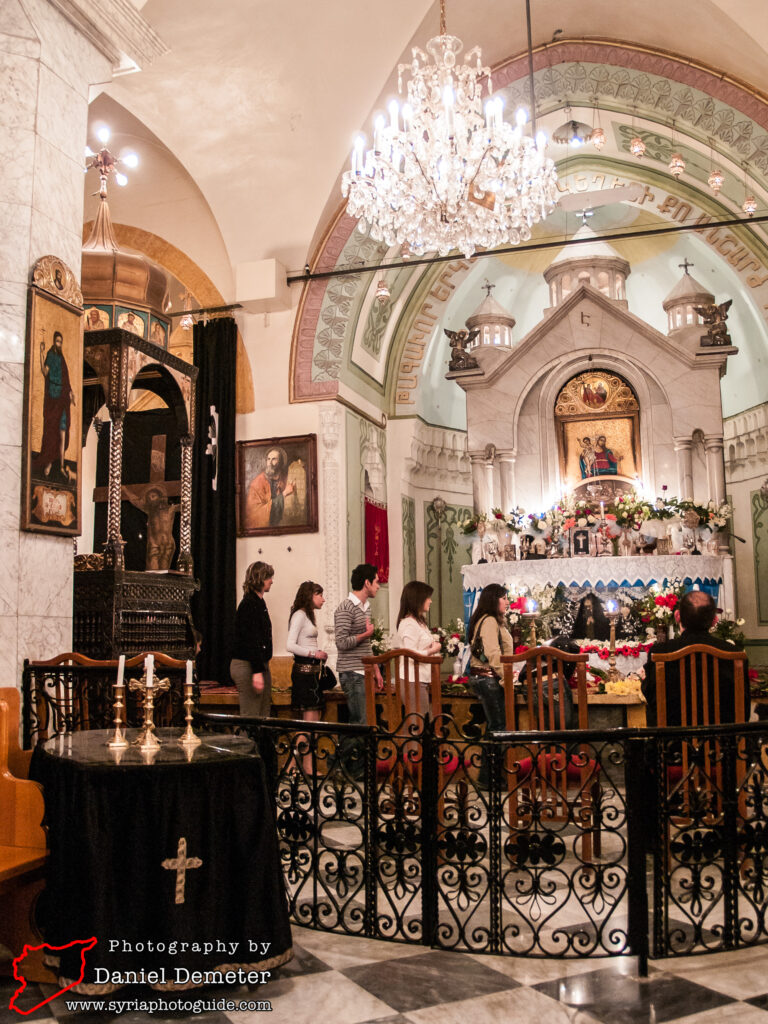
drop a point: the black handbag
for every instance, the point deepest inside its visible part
(326, 678)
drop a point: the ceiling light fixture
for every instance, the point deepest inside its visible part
(598, 135)
(676, 162)
(441, 176)
(382, 291)
(105, 163)
(572, 133)
(636, 145)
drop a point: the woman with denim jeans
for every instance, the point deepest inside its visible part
(489, 638)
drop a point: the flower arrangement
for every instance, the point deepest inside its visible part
(758, 682)
(657, 608)
(729, 629)
(452, 639)
(380, 641)
(629, 511)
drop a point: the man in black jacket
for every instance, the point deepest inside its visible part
(696, 613)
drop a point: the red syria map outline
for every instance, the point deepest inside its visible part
(85, 943)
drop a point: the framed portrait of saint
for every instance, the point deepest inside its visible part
(53, 387)
(276, 486)
(581, 543)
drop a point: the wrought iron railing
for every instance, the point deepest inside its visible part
(585, 843)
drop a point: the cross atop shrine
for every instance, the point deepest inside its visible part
(488, 287)
(685, 264)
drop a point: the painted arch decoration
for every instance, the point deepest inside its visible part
(341, 337)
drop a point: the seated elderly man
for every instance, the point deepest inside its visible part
(696, 613)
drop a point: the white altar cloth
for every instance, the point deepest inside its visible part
(635, 570)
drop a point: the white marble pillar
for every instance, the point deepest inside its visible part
(47, 66)
(507, 475)
(491, 490)
(333, 506)
(713, 446)
(479, 483)
(684, 455)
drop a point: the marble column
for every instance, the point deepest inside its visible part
(333, 503)
(46, 69)
(479, 483)
(713, 446)
(684, 455)
(507, 475)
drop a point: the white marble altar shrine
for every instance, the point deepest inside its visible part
(595, 394)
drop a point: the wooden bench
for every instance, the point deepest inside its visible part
(23, 845)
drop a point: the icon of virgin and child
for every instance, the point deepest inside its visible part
(597, 459)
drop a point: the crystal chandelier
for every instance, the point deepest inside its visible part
(441, 176)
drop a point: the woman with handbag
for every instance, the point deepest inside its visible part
(310, 676)
(413, 633)
(489, 638)
(252, 647)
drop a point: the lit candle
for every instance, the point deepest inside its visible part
(189, 674)
(602, 510)
(530, 604)
(611, 606)
(149, 666)
(120, 670)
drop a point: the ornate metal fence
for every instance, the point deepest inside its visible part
(584, 843)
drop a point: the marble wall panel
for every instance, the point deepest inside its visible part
(10, 667)
(9, 577)
(50, 236)
(10, 492)
(41, 636)
(18, 87)
(17, 157)
(17, 34)
(62, 116)
(15, 231)
(58, 185)
(11, 385)
(11, 328)
(67, 53)
(45, 575)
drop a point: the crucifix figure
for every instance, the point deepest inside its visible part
(152, 499)
(179, 864)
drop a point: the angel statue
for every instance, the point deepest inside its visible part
(460, 342)
(714, 316)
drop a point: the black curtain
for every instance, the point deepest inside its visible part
(213, 511)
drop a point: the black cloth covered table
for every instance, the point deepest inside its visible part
(146, 855)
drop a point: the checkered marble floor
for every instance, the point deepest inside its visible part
(343, 980)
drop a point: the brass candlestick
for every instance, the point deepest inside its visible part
(531, 616)
(146, 739)
(188, 739)
(118, 740)
(613, 674)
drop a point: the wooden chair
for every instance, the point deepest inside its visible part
(402, 702)
(23, 846)
(701, 696)
(73, 690)
(550, 776)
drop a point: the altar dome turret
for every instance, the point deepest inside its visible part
(119, 284)
(680, 304)
(495, 322)
(592, 262)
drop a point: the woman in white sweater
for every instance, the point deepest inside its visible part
(308, 659)
(414, 634)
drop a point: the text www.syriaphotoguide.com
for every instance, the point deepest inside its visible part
(165, 1005)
